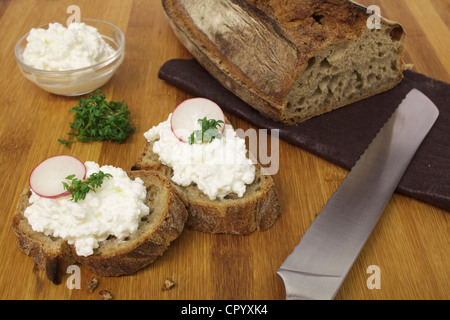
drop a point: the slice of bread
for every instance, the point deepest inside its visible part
(291, 60)
(258, 209)
(113, 258)
(51, 254)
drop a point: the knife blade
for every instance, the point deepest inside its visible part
(320, 262)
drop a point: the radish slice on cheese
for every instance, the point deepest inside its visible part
(185, 117)
(46, 179)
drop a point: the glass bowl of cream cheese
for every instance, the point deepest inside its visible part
(71, 60)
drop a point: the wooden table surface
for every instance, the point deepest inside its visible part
(410, 244)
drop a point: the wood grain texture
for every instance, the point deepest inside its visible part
(410, 242)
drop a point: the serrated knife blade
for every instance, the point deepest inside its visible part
(320, 262)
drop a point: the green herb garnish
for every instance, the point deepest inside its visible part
(96, 119)
(79, 188)
(208, 132)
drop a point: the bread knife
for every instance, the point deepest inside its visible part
(319, 264)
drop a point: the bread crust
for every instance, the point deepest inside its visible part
(112, 258)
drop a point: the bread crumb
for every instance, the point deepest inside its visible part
(168, 284)
(106, 295)
(92, 284)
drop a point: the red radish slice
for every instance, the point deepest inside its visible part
(46, 179)
(185, 117)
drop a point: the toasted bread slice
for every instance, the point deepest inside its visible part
(113, 258)
(258, 209)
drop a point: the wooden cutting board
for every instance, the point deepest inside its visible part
(409, 244)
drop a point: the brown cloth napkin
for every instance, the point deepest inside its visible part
(341, 136)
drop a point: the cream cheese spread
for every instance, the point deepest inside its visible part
(115, 208)
(218, 168)
(58, 48)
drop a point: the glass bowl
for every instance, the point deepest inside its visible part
(82, 80)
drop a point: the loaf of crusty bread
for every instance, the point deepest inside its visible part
(291, 60)
(51, 254)
(113, 258)
(258, 209)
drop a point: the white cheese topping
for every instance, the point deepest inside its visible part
(115, 208)
(58, 48)
(218, 168)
